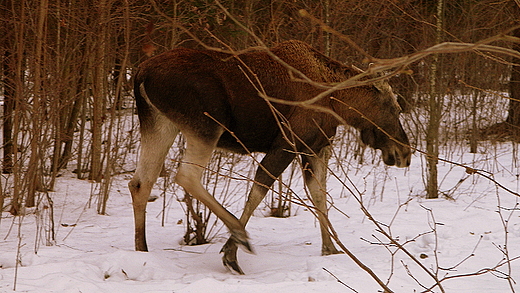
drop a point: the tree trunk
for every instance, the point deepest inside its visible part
(9, 98)
(435, 111)
(8, 67)
(34, 172)
(327, 36)
(513, 115)
(19, 14)
(100, 91)
(2, 200)
(68, 136)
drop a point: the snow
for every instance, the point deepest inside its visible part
(95, 253)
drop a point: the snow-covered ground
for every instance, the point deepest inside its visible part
(95, 253)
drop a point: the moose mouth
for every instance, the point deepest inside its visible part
(394, 152)
(398, 156)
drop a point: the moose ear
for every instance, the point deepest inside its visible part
(383, 86)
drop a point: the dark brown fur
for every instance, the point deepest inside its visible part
(190, 90)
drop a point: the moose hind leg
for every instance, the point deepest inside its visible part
(315, 176)
(156, 140)
(197, 155)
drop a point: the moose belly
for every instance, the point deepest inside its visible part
(244, 142)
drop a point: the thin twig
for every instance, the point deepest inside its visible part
(340, 281)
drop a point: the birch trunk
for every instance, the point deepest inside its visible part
(435, 112)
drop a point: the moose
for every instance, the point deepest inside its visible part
(252, 102)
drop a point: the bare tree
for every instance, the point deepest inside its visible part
(513, 115)
(18, 12)
(435, 111)
(8, 70)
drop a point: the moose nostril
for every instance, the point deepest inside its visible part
(406, 161)
(397, 158)
(402, 159)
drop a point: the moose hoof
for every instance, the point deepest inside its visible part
(242, 239)
(230, 257)
(232, 266)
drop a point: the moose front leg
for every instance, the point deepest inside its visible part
(271, 167)
(315, 175)
(229, 259)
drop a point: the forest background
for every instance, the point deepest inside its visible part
(67, 66)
